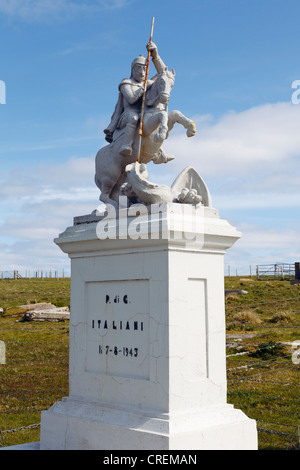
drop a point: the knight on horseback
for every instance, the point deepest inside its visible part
(128, 108)
(138, 104)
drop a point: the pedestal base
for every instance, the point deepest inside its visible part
(147, 336)
(72, 424)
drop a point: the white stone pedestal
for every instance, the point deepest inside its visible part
(147, 336)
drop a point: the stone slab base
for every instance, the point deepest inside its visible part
(76, 425)
(28, 446)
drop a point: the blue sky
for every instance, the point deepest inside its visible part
(235, 61)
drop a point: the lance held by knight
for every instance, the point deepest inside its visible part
(128, 108)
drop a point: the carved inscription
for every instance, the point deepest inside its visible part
(115, 325)
(117, 329)
(133, 352)
(116, 299)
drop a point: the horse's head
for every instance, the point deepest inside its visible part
(160, 91)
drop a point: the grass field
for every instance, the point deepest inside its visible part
(36, 371)
(263, 381)
(262, 328)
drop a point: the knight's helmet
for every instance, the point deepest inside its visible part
(139, 60)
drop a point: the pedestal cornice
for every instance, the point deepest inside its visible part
(169, 226)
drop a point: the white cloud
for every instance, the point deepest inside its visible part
(262, 138)
(37, 203)
(257, 200)
(42, 254)
(248, 159)
(261, 238)
(69, 180)
(261, 245)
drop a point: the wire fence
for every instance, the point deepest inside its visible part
(277, 270)
(286, 271)
(35, 274)
(262, 376)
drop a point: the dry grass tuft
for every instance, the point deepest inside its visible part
(282, 318)
(247, 316)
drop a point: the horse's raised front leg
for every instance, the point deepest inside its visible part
(188, 124)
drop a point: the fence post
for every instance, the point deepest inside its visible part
(257, 272)
(2, 353)
(297, 270)
(2, 443)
